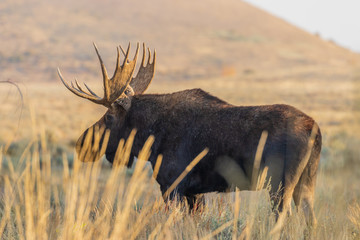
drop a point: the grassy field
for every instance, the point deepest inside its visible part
(228, 48)
(65, 199)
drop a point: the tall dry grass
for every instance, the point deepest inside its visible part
(42, 199)
(85, 204)
(88, 201)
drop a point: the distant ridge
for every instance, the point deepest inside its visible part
(194, 39)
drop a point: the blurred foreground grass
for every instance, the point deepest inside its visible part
(40, 199)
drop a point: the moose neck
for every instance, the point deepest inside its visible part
(143, 115)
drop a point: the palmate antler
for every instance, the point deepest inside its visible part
(114, 87)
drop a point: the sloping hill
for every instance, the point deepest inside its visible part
(194, 39)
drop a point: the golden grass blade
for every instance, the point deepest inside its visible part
(157, 166)
(354, 215)
(134, 188)
(257, 161)
(165, 227)
(185, 172)
(24, 153)
(66, 172)
(33, 121)
(92, 184)
(19, 185)
(218, 230)
(7, 145)
(155, 232)
(262, 179)
(123, 150)
(236, 212)
(29, 195)
(104, 143)
(1, 157)
(146, 211)
(143, 219)
(11, 169)
(19, 222)
(86, 147)
(8, 202)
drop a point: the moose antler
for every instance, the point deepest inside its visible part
(114, 87)
(145, 74)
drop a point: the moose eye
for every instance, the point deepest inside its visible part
(109, 119)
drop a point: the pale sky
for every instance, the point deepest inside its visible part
(337, 20)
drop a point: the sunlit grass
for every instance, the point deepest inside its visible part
(90, 201)
(47, 193)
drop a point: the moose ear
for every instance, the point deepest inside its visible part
(146, 73)
(124, 103)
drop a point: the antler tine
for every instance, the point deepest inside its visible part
(143, 57)
(122, 50)
(126, 60)
(105, 75)
(137, 52)
(149, 58)
(124, 53)
(127, 54)
(154, 58)
(118, 58)
(78, 92)
(91, 91)
(77, 84)
(103, 68)
(117, 67)
(136, 55)
(145, 74)
(82, 91)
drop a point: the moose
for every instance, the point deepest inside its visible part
(186, 122)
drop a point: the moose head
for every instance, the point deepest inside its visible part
(118, 93)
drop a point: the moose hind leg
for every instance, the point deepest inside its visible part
(304, 198)
(284, 209)
(285, 198)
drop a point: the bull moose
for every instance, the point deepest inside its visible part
(186, 122)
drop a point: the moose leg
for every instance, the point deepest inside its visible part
(305, 188)
(168, 198)
(284, 199)
(284, 208)
(195, 202)
(304, 198)
(275, 165)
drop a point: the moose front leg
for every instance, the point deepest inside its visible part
(195, 202)
(175, 181)
(169, 199)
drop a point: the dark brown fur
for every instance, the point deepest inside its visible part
(186, 122)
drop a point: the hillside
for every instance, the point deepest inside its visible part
(229, 48)
(193, 39)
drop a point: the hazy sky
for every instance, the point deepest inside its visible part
(338, 20)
